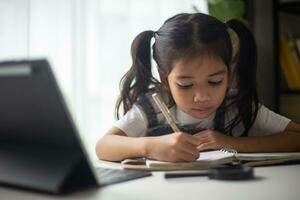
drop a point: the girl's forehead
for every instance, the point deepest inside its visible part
(203, 64)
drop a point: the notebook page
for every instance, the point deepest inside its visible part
(268, 156)
(206, 160)
(214, 155)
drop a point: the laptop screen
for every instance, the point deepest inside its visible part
(32, 107)
(40, 148)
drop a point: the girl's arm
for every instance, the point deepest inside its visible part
(286, 141)
(117, 146)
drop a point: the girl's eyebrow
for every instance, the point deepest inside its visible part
(184, 77)
(190, 77)
(218, 72)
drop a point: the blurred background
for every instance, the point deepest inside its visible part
(87, 42)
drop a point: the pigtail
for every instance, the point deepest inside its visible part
(139, 77)
(246, 99)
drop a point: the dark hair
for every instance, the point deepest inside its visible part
(184, 36)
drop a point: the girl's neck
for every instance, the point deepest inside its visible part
(186, 119)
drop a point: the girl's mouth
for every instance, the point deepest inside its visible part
(201, 110)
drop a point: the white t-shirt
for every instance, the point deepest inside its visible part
(134, 123)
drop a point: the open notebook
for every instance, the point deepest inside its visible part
(212, 159)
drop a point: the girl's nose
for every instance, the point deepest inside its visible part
(201, 96)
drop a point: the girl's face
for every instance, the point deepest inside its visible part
(198, 85)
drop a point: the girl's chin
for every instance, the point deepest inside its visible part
(200, 114)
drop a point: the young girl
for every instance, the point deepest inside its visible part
(209, 90)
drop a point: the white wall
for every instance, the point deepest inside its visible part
(88, 44)
(13, 28)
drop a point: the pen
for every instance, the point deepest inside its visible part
(218, 173)
(165, 111)
(169, 175)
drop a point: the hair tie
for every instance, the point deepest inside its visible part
(226, 25)
(154, 34)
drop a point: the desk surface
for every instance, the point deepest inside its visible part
(276, 182)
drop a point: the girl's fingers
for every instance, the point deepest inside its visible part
(186, 157)
(181, 156)
(191, 139)
(206, 146)
(190, 149)
(203, 140)
(196, 140)
(201, 135)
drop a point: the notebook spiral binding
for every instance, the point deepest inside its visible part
(228, 150)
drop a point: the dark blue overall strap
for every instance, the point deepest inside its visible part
(146, 105)
(166, 129)
(156, 129)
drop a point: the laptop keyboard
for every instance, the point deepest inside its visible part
(107, 176)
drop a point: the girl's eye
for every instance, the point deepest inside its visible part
(184, 86)
(215, 82)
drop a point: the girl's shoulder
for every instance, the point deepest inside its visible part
(268, 122)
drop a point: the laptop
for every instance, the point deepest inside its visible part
(40, 148)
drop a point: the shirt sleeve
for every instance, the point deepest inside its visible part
(134, 123)
(268, 122)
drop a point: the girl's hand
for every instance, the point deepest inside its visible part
(210, 139)
(176, 147)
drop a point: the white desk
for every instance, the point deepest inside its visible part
(277, 182)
